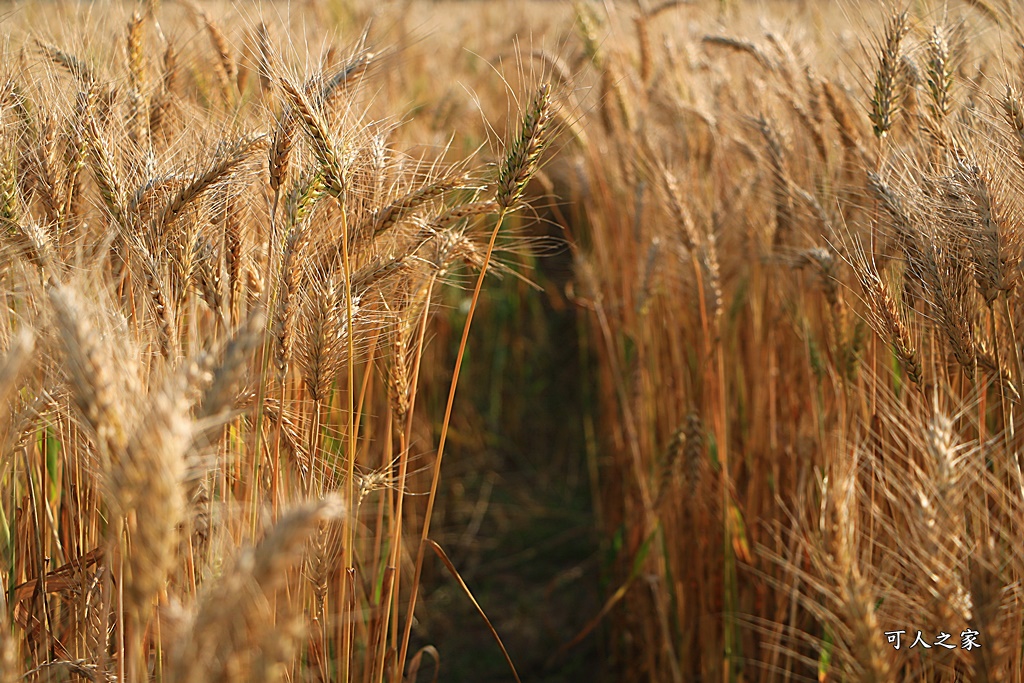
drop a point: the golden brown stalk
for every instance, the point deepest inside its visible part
(515, 170)
(987, 587)
(940, 499)
(9, 668)
(852, 612)
(301, 203)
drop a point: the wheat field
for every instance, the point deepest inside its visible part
(353, 341)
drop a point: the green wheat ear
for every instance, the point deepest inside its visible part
(521, 161)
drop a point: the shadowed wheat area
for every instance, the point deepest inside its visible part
(622, 341)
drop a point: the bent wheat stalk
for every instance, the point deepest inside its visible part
(518, 167)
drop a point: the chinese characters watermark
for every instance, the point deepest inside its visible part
(968, 640)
